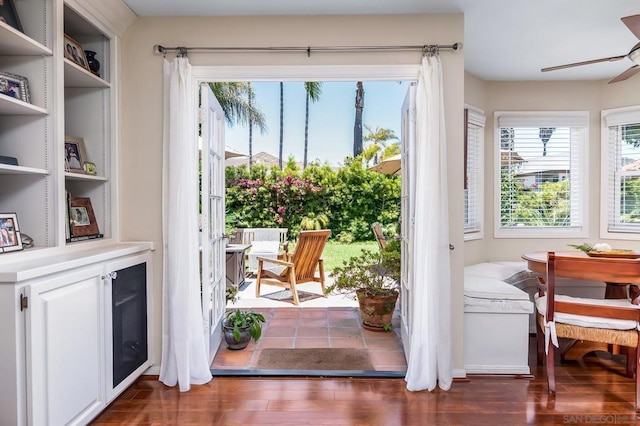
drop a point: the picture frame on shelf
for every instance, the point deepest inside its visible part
(82, 219)
(9, 15)
(15, 86)
(10, 239)
(74, 52)
(90, 168)
(74, 154)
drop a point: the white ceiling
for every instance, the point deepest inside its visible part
(504, 39)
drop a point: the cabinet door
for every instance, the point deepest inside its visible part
(128, 322)
(65, 347)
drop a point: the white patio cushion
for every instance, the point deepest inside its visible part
(269, 246)
(510, 272)
(491, 288)
(589, 321)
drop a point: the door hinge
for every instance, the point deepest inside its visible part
(24, 302)
(202, 115)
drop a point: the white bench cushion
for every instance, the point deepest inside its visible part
(509, 272)
(589, 321)
(491, 288)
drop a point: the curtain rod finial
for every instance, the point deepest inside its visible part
(158, 50)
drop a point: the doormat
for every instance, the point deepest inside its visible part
(287, 296)
(314, 359)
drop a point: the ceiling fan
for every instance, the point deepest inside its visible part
(633, 23)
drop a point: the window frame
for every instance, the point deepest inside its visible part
(475, 116)
(609, 118)
(571, 119)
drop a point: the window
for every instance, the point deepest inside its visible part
(540, 174)
(621, 173)
(473, 182)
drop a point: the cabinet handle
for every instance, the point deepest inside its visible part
(110, 276)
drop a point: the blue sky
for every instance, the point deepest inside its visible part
(331, 119)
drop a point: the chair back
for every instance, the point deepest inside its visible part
(606, 269)
(308, 252)
(377, 231)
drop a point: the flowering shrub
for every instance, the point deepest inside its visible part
(352, 198)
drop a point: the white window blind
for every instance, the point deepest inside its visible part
(541, 172)
(474, 145)
(622, 168)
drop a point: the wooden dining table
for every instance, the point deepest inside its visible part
(618, 288)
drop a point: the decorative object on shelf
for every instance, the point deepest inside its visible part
(12, 161)
(10, 239)
(90, 168)
(15, 86)
(27, 241)
(92, 61)
(74, 155)
(9, 15)
(74, 52)
(82, 220)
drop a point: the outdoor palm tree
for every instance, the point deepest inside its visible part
(379, 136)
(313, 91)
(281, 124)
(357, 127)
(250, 99)
(234, 100)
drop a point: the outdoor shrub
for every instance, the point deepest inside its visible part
(345, 237)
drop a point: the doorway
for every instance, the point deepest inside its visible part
(293, 322)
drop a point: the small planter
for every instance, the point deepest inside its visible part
(377, 310)
(232, 343)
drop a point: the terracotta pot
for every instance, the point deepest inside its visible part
(377, 310)
(232, 343)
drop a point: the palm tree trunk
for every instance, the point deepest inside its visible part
(281, 124)
(357, 127)
(250, 131)
(306, 131)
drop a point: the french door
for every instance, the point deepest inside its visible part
(407, 199)
(212, 254)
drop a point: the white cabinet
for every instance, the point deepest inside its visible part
(57, 355)
(67, 344)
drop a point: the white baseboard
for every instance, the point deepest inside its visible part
(497, 369)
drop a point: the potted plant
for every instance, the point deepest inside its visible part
(239, 327)
(373, 277)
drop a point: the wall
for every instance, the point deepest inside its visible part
(141, 147)
(592, 96)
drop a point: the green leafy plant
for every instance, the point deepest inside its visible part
(585, 247)
(365, 273)
(242, 319)
(314, 222)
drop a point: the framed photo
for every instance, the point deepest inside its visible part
(82, 220)
(15, 86)
(74, 52)
(74, 154)
(9, 15)
(10, 239)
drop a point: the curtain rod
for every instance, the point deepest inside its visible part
(426, 48)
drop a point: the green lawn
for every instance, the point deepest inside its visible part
(334, 252)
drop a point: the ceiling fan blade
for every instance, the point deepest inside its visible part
(633, 23)
(625, 75)
(577, 64)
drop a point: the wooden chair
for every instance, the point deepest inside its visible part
(609, 321)
(299, 267)
(377, 231)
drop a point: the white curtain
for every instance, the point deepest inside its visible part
(430, 360)
(184, 358)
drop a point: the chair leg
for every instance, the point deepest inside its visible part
(539, 343)
(551, 374)
(294, 290)
(637, 362)
(258, 278)
(631, 360)
(321, 268)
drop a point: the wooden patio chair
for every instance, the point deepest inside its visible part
(608, 321)
(377, 231)
(298, 267)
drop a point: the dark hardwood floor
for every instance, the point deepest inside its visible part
(592, 391)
